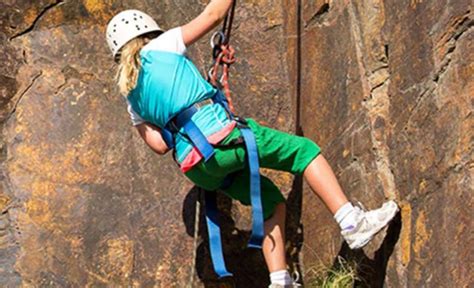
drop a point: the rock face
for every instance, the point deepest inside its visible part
(84, 201)
(387, 90)
(385, 87)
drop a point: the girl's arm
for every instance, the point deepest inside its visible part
(152, 137)
(212, 15)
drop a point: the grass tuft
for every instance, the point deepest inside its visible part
(342, 275)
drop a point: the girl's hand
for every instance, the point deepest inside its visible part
(212, 15)
(152, 137)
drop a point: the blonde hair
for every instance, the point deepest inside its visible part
(129, 64)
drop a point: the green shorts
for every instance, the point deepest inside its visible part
(276, 150)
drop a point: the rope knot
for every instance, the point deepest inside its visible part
(227, 55)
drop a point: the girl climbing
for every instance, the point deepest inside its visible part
(174, 107)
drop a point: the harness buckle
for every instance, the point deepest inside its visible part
(173, 125)
(241, 121)
(203, 103)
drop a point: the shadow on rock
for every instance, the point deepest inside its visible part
(372, 271)
(294, 228)
(247, 265)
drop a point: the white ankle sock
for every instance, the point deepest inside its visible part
(346, 216)
(281, 277)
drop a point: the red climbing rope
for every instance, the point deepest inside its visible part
(224, 56)
(224, 59)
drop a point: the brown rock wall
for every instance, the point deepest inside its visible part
(84, 202)
(387, 89)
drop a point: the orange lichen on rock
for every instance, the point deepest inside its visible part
(4, 200)
(406, 234)
(422, 234)
(95, 5)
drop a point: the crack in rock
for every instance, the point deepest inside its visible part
(27, 89)
(319, 16)
(37, 19)
(271, 27)
(375, 86)
(461, 26)
(428, 90)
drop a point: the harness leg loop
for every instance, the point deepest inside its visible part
(214, 231)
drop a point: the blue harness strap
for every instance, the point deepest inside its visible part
(167, 136)
(220, 98)
(183, 119)
(256, 238)
(214, 231)
(255, 194)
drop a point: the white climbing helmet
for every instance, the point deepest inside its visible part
(127, 25)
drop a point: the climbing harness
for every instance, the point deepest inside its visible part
(223, 56)
(183, 120)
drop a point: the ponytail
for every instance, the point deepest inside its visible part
(129, 64)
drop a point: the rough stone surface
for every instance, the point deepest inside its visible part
(83, 201)
(387, 90)
(385, 87)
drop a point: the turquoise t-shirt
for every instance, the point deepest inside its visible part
(167, 84)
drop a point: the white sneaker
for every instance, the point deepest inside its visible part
(295, 285)
(295, 276)
(369, 223)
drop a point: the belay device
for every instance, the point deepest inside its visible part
(223, 55)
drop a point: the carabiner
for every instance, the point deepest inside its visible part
(221, 39)
(210, 72)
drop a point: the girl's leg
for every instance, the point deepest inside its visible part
(274, 242)
(300, 155)
(357, 226)
(273, 204)
(323, 182)
(273, 248)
